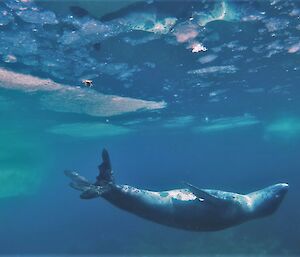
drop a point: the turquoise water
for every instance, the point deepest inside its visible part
(198, 91)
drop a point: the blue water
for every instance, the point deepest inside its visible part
(199, 91)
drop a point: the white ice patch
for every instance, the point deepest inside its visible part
(13, 80)
(207, 58)
(214, 69)
(147, 22)
(275, 47)
(227, 123)
(294, 48)
(19, 4)
(179, 122)
(197, 47)
(122, 71)
(287, 128)
(88, 101)
(185, 32)
(64, 98)
(89, 31)
(38, 17)
(139, 41)
(9, 58)
(222, 11)
(275, 24)
(217, 92)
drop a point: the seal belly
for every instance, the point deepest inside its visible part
(196, 215)
(176, 208)
(155, 206)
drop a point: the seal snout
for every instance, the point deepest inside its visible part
(281, 189)
(284, 186)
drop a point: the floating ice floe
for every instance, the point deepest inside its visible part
(187, 31)
(19, 4)
(179, 122)
(150, 65)
(280, 89)
(207, 58)
(5, 17)
(222, 11)
(184, 32)
(64, 98)
(120, 70)
(88, 101)
(214, 69)
(275, 47)
(9, 58)
(89, 130)
(217, 92)
(38, 17)
(284, 128)
(13, 80)
(21, 43)
(89, 31)
(27, 11)
(227, 123)
(197, 47)
(143, 40)
(295, 12)
(294, 48)
(148, 22)
(275, 24)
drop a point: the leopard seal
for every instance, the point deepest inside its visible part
(189, 208)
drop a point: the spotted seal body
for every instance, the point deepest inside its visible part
(189, 208)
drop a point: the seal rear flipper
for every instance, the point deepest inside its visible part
(76, 178)
(105, 169)
(94, 192)
(88, 189)
(204, 196)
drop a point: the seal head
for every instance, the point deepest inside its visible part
(266, 201)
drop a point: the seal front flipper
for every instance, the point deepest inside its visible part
(204, 196)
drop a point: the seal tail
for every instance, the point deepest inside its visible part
(103, 184)
(88, 189)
